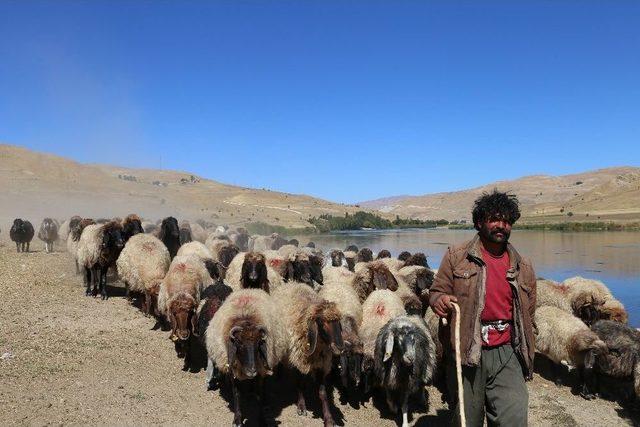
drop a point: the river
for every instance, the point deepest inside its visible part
(612, 257)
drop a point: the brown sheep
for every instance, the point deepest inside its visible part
(373, 275)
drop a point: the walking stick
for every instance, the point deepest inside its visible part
(463, 419)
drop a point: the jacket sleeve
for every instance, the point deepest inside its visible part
(443, 283)
(534, 295)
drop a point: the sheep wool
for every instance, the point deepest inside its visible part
(143, 262)
(195, 248)
(379, 307)
(186, 274)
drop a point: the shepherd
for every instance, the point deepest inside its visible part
(495, 288)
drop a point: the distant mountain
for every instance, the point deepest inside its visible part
(35, 185)
(603, 194)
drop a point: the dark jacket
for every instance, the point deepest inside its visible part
(462, 273)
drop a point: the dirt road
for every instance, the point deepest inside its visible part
(71, 359)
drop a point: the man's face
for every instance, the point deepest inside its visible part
(496, 229)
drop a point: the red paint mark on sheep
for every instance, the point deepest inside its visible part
(181, 266)
(244, 300)
(148, 246)
(380, 310)
(275, 262)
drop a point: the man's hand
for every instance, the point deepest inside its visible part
(442, 307)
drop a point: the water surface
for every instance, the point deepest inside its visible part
(613, 257)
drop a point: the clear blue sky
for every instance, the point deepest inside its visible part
(345, 100)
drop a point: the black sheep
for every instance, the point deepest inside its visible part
(21, 232)
(170, 235)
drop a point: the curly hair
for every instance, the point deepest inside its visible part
(495, 204)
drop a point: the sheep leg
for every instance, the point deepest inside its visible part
(103, 282)
(237, 415)
(88, 280)
(212, 374)
(300, 383)
(587, 376)
(405, 409)
(263, 401)
(322, 392)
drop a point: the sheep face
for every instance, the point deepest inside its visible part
(351, 248)
(585, 307)
(227, 254)
(404, 256)
(315, 266)
(181, 313)
(424, 279)
(214, 269)
(365, 255)
(131, 227)
(254, 272)
(400, 344)
(337, 258)
(247, 350)
(169, 227)
(383, 254)
(382, 278)
(299, 269)
(324, 325)
(112, 237)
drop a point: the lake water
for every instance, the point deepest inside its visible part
(612, 257)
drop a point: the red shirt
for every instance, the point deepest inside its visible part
(498, 302)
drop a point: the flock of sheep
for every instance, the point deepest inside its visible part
(257, 304)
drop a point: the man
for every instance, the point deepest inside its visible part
(496, 291)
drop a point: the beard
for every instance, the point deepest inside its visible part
(495, 234)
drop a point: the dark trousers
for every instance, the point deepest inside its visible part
(496, 387)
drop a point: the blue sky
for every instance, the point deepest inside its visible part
(345, 100)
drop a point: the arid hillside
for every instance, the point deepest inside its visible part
(35, 185)
(604, 194)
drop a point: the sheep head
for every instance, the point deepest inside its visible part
(351, 248)
(404, 256)
(169, 228)
(337, 258)
(382, 278)
(365, 255)
(315, 266)
(324, 326)
(417, 259)
(181, 313)
(383, 254)
(247, 352)
(131, 226)
(586, 308)
(299, 269)
(227, 253)
(254, 272)
(585, 341)
(112, 237)
(352, 357)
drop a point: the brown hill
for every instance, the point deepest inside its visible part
(35, 185)
(604, 194)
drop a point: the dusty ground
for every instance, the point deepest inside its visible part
(69, 359)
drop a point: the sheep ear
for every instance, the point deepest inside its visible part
(388, 350)
(194, 324)
(262, 349)
(312, 337)
(289, 273)
(231, 353)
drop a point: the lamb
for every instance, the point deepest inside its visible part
(142, 265)
(76, 228)
(623, 358)
(179, 297)
(364, 255)
(563, 338)
(170, 235)
(371, 276)
(249, 270)
(314, 336)
(348, 303)
(404, 361)
(21, 232)
(383, 254)
(606, 306)
(185, 232)
(380, 307)
(98, 249)
(48, 233)
(131, 226)
(245, 340)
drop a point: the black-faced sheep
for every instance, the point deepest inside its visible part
(380, 307)
(599, 296)
(250, 270)
(404, 361)
(383, 254)
(364, 255)
(565, 339)
(622, 360)
(348, 303)
(131, 226)
(21, 232)
(418, 259)
(311, 245)
(314, 337)
(371, 276)
(351, 248)
(223, 251)
(179, 298)
(294, 242)
(350, 258)
(246, 339)
(48, 233)
(142, 265)
(65, 227)
(169, 233)
(98, 249)
(337, 258)
(404, 255)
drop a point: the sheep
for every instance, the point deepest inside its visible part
(623, 358)
(604, 305)
(563, 338)
(338, 275)
(294, 242)
(417, 259)
(277, 242)
(169, 233)
(223, 251)
(131, 226)
(179, 298)
(198, 233)
(351, 248)
(98, 249)
(371, 276)
(48, 233)
(383, 254)
(261, 243)
(250, 270)
(245, 340)
(310, 245)
(550, 293)
(185, 232)
(380, 307)
(404, 361)
(350, 258)
(65, 228)
(241, 238)
(76, 227)
(364, 255)
(298, 265)
(414, 282)
(392, 263)
(412, 304)
(337, 258)
(202, 252)
(314, 336)
(142, 265)
(21, 232)
(404, 255)
(348, 303)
